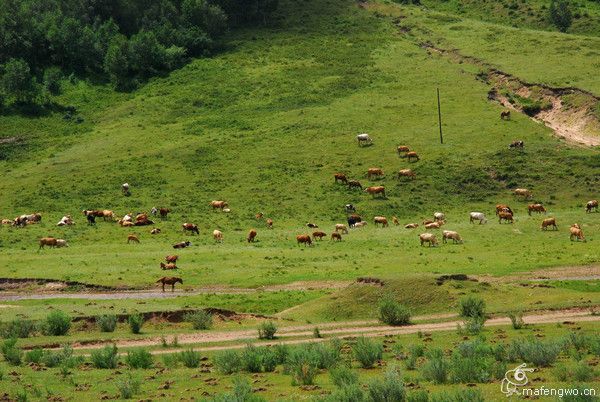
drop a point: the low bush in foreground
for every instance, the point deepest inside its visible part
(57, 323)
(17, 328)
(105, 358)
(227, 362)
(139, 359)
(135, 323)
(11, 353)
(367, 352)
(190, 358)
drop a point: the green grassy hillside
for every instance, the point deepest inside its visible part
(265, 124)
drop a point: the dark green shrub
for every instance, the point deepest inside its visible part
(347, 393)
(367, 352)
(436, 370)
(578, 393)
(12, 354)
(391, 388)
(61, 357)
(228, 362)
(135, 323)
(199, 319)
(393, 313)
(560, 14)
(107, 322)
(582, 372)
(342, 375)
(267, 330)
(190, 358)
(242, 391)
(541, 354)
(269, 360)
(57, 323)
(105, 358)
(476, 369)
(578, 340)
(139, 358)
(128, 387)
(516, 318)
(17, 328)
(325, 356)
(170, 360)
(281, 352)
(472, 306)
(34, 356)
(52, 77)
(418, 396)
(301, 365)
(252, 359)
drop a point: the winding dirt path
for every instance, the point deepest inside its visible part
(239, 339)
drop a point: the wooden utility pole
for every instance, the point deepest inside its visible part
(440, 117)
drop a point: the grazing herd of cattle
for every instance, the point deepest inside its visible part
(503, 212)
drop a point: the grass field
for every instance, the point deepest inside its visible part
(264, 125)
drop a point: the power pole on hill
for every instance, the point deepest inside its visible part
(440, 117)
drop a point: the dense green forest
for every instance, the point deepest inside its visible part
(126, 41)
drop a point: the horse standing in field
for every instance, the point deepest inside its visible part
(169, 280)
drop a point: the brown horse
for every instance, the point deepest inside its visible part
(169, 280)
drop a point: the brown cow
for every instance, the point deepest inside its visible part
(412, 155)
(402, 149)
(549, 222)
(354, 184)
(143, 222)
(132, 238)
(259, 216)
(304, 238)
(505, 216)
(190, 227)
(340, 177)
(428, 238)
(164, 212)
(407, 173)
(593, 204)
(169, 280)
(172, 258)
(576, 232)
(539, 208)
(319, 235)
(395, 220)
(170, 265)
(377, 172)
(411, 226)
(505, 115)
(269, 223)
(434, 225)
(218, 205)
(341, 227)
(374, 190)
(503, 208)
(47, 241)
(427, 222)
(523, 192)
(7, 222)
(450, 234)
(182, 244)
(218, 236)
(380, 220)
(335, 236)
(251, 236)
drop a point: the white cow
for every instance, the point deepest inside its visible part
(65, 221)
(61, 243)
(477, 216)
(364, 139)
(439, 216)
(125, 188)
